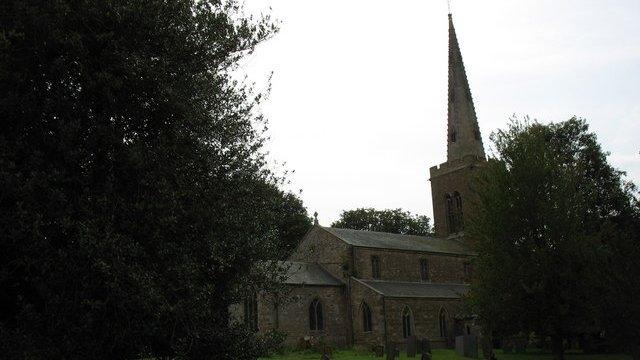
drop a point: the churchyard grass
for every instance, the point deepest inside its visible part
(444, 355)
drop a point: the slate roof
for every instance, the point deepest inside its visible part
(374, 239)
(417, 290)
(302, 273)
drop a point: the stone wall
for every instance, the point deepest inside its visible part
(291, 316)
(397, 265)
(361, 293)
(321, 247)
(426, 314)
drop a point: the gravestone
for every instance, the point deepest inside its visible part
(325, 357)
(520, 344)
(391, 352)
(425, 346)
(467, 346)
(507, 346)
(411, 346)
(327, 350)
(487, 348)
(425, 356)
(379, 351)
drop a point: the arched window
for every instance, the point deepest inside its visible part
(450, 214)
(407, 322)
(444, 332)
(424, 270)
(366, 318)
(315, 315)
(457, 199)
(251, 312)
(453, 135)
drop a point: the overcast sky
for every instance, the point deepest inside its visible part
(358, 101)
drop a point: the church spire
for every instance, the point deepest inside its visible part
(463, 131)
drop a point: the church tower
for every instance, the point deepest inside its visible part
(450, 180)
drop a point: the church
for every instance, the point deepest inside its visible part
(362, 288)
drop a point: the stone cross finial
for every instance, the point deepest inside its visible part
(315, 218)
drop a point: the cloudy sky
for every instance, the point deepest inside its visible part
(358, 100)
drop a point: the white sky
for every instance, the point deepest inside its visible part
(358, 101)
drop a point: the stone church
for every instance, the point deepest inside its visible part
(351, 287)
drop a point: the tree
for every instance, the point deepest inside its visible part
(135, 196)
(619, 312)
(548, 202)
(390, 220)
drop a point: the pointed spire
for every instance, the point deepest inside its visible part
(463, 131)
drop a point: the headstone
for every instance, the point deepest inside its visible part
(467, 346)
(520, 344)
(325, 357)
(487, 348)
(507, 346)
(327, 350)
(411, 346)
(425, 356)
(425, 346)
(379, 351)
(391, 352)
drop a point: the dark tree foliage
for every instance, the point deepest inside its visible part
(134, 198)
(390, 220)
(550, 207)
(619, 308)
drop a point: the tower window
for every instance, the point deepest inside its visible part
(453, 135)
(424, 270)
(316, 322)
(450, 214)
(457, 199)
(366, 318)
(375, 266)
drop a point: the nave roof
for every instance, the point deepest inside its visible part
(374, 239)
(400, 289)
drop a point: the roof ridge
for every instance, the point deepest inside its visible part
(411, 282)
(384, 232)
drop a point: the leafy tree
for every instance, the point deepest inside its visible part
(548, 203)
(135, 197)
(619, 310)
(390, 220)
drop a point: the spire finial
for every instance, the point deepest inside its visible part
(449, 7)
(315, 218)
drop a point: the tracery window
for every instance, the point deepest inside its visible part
(443, 323)
(407, 322)
(316, 322)
(366, 318)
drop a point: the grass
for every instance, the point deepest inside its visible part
(444, 355)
